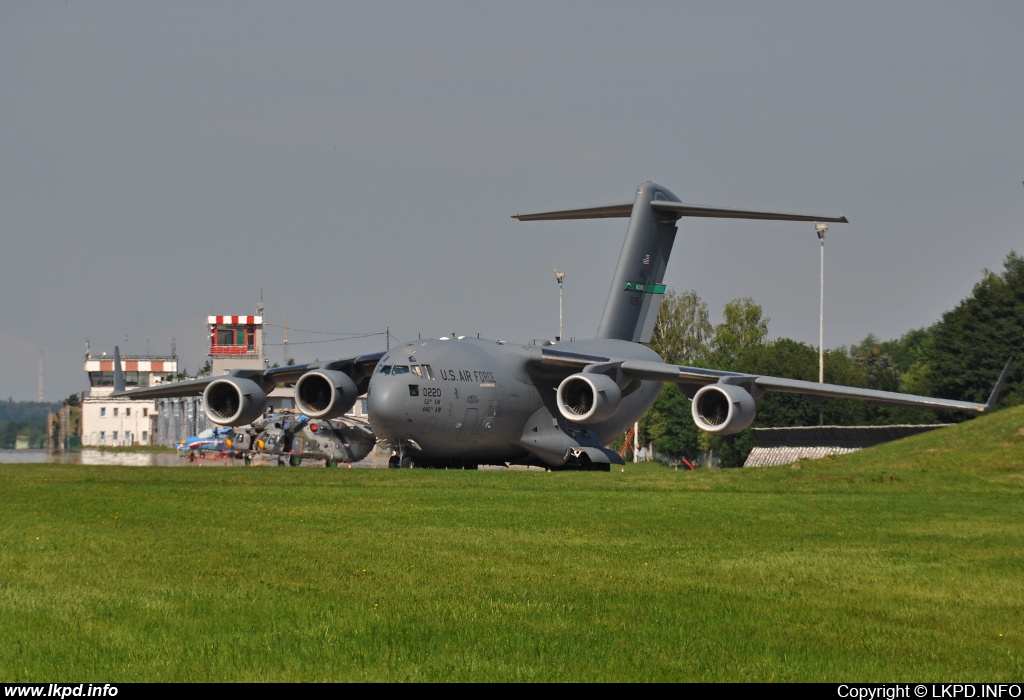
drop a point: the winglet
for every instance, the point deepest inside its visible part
(994, 396)
(118, 372)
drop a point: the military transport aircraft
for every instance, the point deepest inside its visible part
(461, 402)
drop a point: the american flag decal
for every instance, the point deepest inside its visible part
(647, 259)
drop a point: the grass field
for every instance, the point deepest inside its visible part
(899, 563)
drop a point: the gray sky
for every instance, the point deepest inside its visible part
(359, 162)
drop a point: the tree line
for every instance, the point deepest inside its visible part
(959, 357)
(24, 418)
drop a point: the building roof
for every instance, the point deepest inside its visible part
(777, 446)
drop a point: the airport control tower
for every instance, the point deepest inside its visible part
(236, 342)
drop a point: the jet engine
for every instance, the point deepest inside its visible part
(234, 401)
(723, 408)
(588, 398)
(325, 393)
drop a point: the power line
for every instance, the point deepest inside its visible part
(292, 329)
(331, 340)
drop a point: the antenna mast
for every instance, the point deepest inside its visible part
(285, 360)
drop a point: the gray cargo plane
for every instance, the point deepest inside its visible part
(461, 402)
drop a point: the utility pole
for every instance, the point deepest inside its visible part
(821, 229)
(560, 277)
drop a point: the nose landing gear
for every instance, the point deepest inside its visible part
(398, 462)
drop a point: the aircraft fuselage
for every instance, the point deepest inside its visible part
(468, 401)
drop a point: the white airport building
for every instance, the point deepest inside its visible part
(108, 421)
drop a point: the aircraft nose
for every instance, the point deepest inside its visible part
(386, 405)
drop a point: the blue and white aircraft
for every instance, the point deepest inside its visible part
(209, 440)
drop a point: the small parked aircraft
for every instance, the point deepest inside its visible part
(294, 437)
(209, 440)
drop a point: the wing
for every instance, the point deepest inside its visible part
(697, 378)
(322, 389)
(723, 402)
(359, 368)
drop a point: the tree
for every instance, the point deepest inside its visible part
(895, 365)
(744, 327)
(670, 426)
(973, 341)
(683, 329)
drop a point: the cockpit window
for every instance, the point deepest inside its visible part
(419, 370)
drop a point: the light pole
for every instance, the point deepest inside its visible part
(821, 229)
(560, 277)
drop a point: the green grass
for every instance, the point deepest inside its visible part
(898, 563)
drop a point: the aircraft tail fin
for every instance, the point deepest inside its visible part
(118, 372)
(637, 287)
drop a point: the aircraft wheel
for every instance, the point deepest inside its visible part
(408, 463)
(331, 463)
(393, 463)
(295, 460)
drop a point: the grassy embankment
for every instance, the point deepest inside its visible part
(899, 563)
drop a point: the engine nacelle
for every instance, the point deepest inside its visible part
(723, 408)
(588, 398)
(325, 393)
(234, 401)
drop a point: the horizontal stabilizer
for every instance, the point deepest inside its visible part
(680, 210)
(613, 211)
(677, 209)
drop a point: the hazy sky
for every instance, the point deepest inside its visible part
(359, 164)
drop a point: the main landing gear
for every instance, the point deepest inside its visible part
(406, 462)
